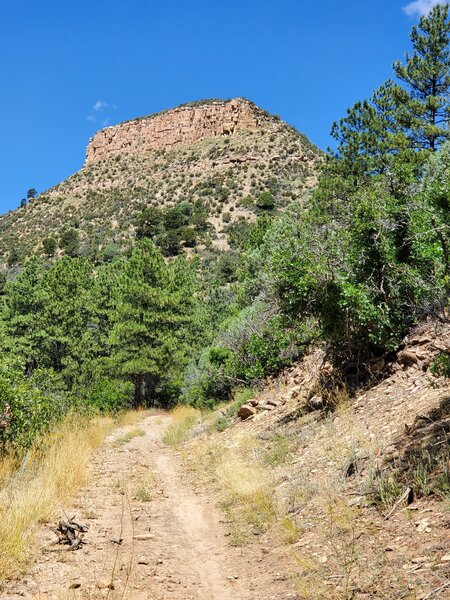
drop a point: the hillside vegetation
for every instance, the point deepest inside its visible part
(351, 267)
(218, 181)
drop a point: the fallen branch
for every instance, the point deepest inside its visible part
(407, 495)
(69, 532)
(437, 591)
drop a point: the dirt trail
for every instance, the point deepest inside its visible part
(151, 536)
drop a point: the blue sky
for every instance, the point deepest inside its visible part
(69, 68)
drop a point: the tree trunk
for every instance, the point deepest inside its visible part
(150, 384)
(137, 400)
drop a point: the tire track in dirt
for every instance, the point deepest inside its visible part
(173, 546)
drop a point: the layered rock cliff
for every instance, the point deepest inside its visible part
(182, 125)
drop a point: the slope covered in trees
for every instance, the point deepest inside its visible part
(353, 267)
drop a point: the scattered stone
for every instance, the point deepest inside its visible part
(116, 540)
(423, 526)
(316, 402)
(75, 585)
(143, 536)
(246, 411)
(408, 359)
(273, 402)
(105, 584)
(419, 559)
(266, 407)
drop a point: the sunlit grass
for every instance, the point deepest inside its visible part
(48, 476)
(128, 436)
(183, 419)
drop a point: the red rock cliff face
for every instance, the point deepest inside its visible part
(181, 125)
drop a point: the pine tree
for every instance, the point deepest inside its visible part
(424, 103)
(369, 136)
(146, 321)
(24, 306)
(67, 316)
(382, 135)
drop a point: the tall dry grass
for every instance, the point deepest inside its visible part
(183, 420)
(33, 490)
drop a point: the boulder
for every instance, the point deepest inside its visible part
(408, 359)
(246, 411)
(316, 402)
(273, 402)
(266, 406)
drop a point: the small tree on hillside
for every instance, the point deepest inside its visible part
(70, 242)
(49, 246)
(265, 201)
(149, 222)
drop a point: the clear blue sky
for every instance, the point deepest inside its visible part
(68, 68)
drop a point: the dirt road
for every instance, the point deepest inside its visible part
(151, 536)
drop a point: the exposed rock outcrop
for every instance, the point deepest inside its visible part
(182, 125)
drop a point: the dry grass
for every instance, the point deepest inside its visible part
(290, 529)
(250, 488)
(128, 436)
(46, 479)
(310, 484)
(183, 419)
(133, 417)
(144, 491)
(244, 481)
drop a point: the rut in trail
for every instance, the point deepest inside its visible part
(173, 546)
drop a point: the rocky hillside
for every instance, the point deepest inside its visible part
(349, 493)
(216, 156)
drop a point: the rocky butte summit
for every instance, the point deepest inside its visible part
(182, 125)
(217, 157)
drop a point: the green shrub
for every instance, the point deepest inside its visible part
(26, 410)
(265, 201)
(70, 242)
(49, 245)
(109, 395)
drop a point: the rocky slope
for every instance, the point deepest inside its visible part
(219, 155)
(359, 490)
